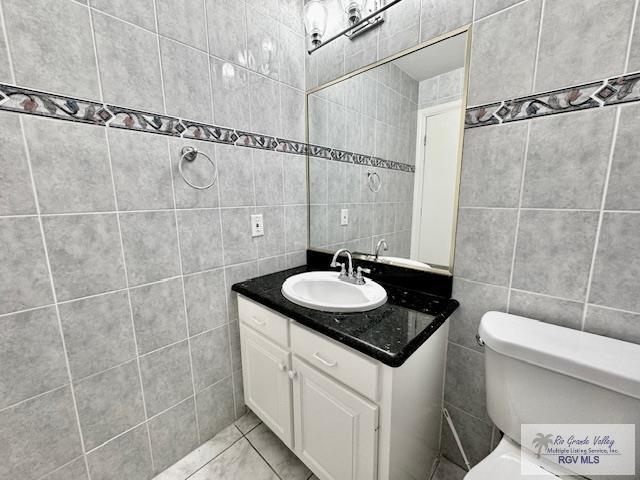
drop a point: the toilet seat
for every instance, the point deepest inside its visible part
(507, 462)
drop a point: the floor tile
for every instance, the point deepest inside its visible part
(448, 471)
(201, 455)
(240, 462)
(247, 422)
(277, 454)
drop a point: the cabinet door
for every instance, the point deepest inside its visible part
(267, 387)
(335, 428)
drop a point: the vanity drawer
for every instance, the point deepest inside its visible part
(263, 320)
(349, 367)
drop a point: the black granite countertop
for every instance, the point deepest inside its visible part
(389, 333)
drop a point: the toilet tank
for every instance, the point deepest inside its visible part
(542, 373)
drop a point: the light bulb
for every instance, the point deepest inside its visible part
(315, 20)
(354, 9)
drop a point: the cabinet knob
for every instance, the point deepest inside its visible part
(282, 366)
(293, 374)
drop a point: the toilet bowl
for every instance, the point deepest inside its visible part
(534, 374)
(506, 461)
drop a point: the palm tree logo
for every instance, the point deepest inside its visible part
(542, 441)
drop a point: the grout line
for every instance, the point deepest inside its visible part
(534, 79)
(605, 190)
(263, 459)
(128, 288)
(42, 394)
(284, 210)
(3, 25)
(57, 469)
(95, 374)
(27, 310)
(184, 296)
(510, 7)
(530, 292)
(254, 240)
(209, 72)
(621, 310)
(164, 96)
(55, 298)
(519, 212)
(486, 421)
(216, 456)
(630, 44)
(161, 210)
(95, 50)
(119, 435)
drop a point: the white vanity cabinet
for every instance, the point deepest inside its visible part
(344, 414)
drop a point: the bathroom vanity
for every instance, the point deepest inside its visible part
(355, 396)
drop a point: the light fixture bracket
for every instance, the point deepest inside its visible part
(364, 27)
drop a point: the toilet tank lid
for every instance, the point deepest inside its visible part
(603, 361)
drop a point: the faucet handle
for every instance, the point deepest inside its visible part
(360, 271)
(343, 270)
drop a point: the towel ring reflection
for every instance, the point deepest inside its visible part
(374, 181)
(190, 154)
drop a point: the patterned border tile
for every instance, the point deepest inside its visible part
(481, 116)
(23, 100)
(558, 101)
(291, 146)
(623, 89)
(255, 140)
(144, 122)
(209, 133)
(32, 102)
(612, 91)
(319, 151)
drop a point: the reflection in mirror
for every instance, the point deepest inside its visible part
(389, 189)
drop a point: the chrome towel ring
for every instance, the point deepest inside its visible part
(190, 154)
(374, 181)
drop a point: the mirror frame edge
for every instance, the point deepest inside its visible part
(465, 29)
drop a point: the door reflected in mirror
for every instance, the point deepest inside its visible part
(385, 185)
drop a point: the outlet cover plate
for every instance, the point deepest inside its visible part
(257, 225)
(344, 216)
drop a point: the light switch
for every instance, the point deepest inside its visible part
(344, 216)
(257, 226)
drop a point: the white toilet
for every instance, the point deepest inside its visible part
(541, 373)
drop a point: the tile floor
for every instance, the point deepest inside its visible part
(448, 471)
(249, 450)
(244, 450)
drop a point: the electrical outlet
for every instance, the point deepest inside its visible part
(344, 216)
(257, 226)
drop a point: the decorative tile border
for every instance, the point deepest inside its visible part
(32, 102)
(23, 100)
(144, 122)
(611, 91)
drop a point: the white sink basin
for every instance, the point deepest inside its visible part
(324, 291)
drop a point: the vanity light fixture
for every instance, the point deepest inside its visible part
(360, 19)
(315, 20)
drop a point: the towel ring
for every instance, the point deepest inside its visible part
(190, 154)
(374, 181)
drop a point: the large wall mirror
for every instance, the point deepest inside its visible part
(388, 187)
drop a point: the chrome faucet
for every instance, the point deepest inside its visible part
(343, 273)
(348, 275)
(381, 244)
